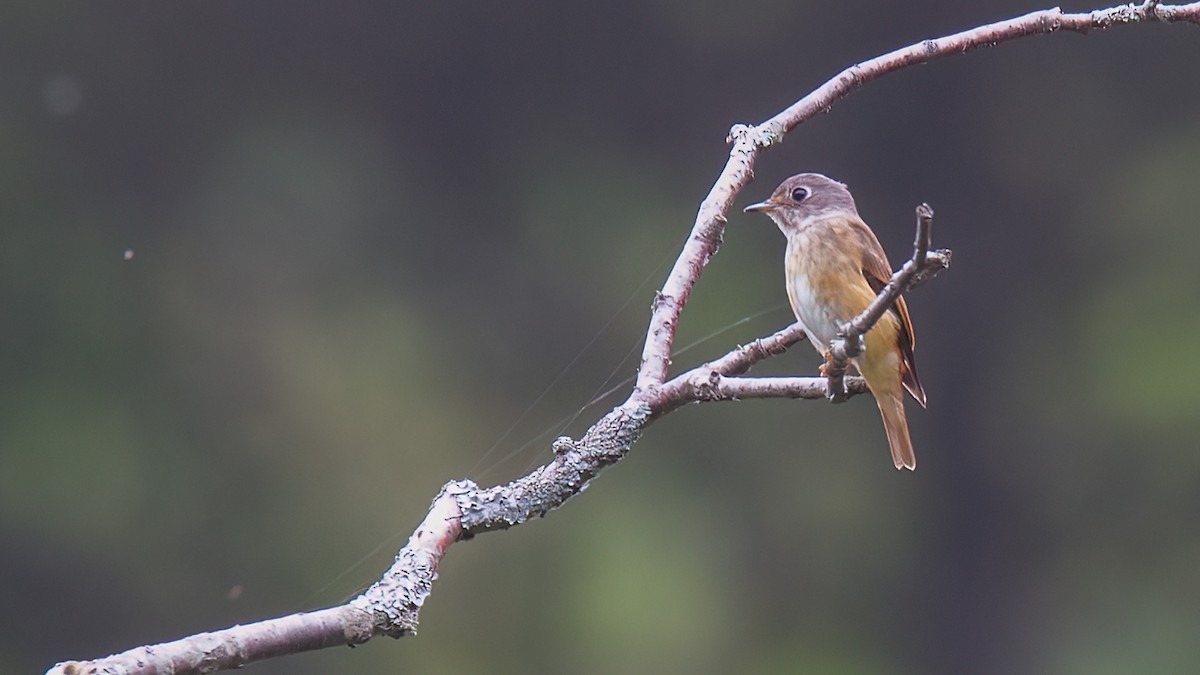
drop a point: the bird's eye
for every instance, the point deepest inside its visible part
(799, 194)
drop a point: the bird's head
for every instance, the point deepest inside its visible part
(803, 198)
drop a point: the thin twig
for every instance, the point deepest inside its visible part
(716, 387)
(743, 358)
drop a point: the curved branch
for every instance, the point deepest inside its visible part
(462, 509)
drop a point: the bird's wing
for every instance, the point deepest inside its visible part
(877, 272)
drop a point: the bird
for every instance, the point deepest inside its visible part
(834, 267)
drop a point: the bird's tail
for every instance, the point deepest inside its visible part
(896, 425)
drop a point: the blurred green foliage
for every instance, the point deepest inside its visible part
(270, 273)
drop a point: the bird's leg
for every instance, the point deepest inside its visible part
(835, 382)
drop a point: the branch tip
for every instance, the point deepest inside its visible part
(924, 234)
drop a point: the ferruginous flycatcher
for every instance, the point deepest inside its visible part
(835, 267)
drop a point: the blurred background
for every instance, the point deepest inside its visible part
(271, 273)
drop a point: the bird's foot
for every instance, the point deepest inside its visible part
(835, 383)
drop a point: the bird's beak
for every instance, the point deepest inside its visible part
(761, 206)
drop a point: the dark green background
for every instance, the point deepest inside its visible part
(367, 236)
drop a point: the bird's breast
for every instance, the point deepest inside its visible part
(825, 286)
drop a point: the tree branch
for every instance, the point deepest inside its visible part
(462, 509)
(743, 358)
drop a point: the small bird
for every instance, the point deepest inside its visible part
(835, 267)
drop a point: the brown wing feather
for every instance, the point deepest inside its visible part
(877, 272)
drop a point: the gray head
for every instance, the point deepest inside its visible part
(805, 197)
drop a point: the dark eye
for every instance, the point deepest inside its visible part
(799, 194)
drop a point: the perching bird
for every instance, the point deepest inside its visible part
(835, 267)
